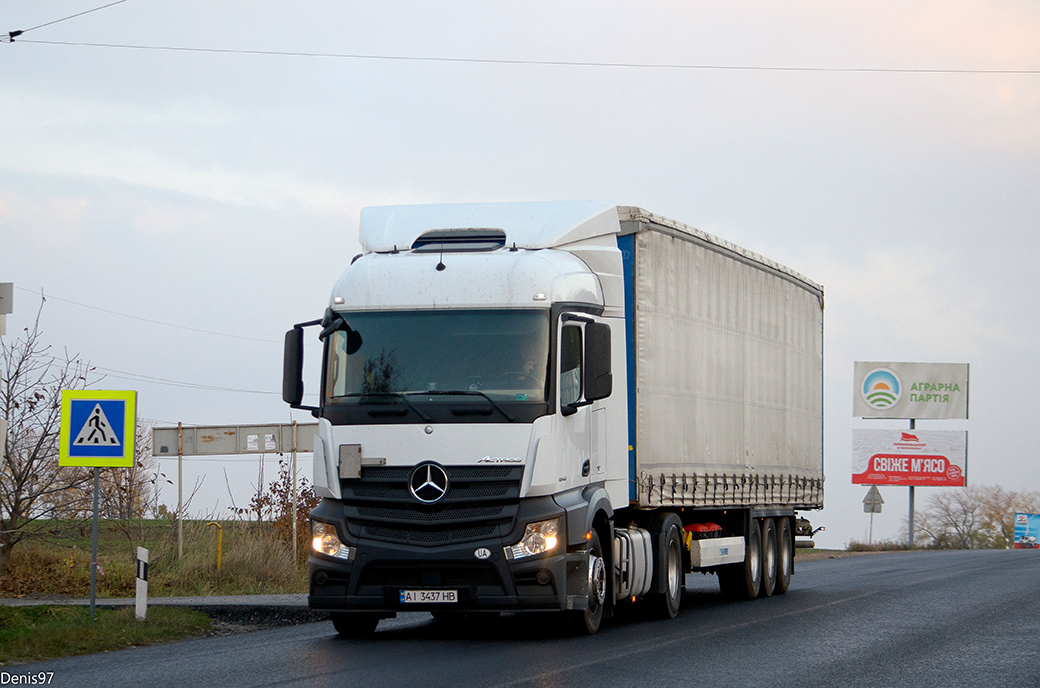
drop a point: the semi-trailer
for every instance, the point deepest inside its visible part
(557, 407)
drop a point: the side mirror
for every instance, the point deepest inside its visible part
(292, 368)
(599, 381)
(334, 321)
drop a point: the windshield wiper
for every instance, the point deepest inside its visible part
(399, 395)
(468, 392)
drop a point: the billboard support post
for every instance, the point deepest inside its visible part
(910, 518)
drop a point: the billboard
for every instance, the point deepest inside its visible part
(935, 458)
(1027, 530)
(200, 440)
(910, 390)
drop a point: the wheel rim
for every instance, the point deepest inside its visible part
(770, 559)
(674, 577)
(755, 558)
(597, 581)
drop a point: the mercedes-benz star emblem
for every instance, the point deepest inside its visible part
(428, 483)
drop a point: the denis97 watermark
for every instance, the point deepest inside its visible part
(39, 678)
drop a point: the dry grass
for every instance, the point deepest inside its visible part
(256, 559)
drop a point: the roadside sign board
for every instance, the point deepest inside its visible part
(1027, 531)
(201, 440)
(873, 501)
(97, 428)
(6, 298)
(6, 304)
(910, 390)
(934, 458)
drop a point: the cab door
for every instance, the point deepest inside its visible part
(575, 417)
(584, 378)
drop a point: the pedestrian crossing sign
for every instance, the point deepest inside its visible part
(97, 428)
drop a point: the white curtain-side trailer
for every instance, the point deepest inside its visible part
(557, 407)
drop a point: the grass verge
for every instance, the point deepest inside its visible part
(30, 634)
(255, 560)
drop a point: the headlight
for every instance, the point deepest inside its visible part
(539, 538)
(325, 541)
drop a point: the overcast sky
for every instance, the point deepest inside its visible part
(182, 208)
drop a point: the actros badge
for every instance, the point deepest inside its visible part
(428, 483)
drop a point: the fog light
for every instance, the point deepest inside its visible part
(325, 541)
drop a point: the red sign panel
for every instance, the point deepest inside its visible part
(931, 459)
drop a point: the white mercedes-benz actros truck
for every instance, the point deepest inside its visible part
(557, 407)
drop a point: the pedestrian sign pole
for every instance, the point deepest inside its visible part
(872, 505)
(98, 429)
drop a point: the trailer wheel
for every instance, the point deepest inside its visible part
(742, 581)
(587, 621)
(354, 625)
(669, 568)
(768, 558)
(784, 556)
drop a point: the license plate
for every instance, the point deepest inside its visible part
(429, 596)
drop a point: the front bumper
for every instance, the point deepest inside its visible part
(379, 571)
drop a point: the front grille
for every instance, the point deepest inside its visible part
(449, 514)
(481, 502)
(437, 536)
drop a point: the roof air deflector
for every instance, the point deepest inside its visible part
(457, 240)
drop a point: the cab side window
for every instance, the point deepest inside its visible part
(570, 365)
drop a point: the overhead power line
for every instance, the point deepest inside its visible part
(11, 35)
(151, 379)
(542, 63)
(150, 320)
(136, 377)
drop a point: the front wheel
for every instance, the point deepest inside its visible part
(588, 620)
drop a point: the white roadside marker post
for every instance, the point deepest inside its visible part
(142, 583)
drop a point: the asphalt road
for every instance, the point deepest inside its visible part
(899, 619)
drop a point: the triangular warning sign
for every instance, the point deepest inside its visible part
(97, 431)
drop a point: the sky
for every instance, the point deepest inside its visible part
(183, 202)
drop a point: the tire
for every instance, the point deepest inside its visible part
(354, 625)
(768, 558)
(668, 568)
(784, 555)
(742, 581)
(587, 621)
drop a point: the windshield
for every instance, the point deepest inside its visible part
(500, 354)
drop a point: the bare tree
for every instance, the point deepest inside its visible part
(953, 519)
(975, 517)
(34, 489)
(126, 493)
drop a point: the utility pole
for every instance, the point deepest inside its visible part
(6, 304)
(180, 490)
